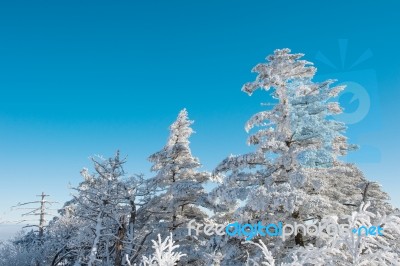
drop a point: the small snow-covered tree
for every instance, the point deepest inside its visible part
(268, 259)
(106, 203)
(99, 203)
(180, 192)
(62, 236)
(164, 253)
(23, 249)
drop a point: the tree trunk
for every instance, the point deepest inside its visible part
(131, 233)
(298, 239)
(365, 192)
(119, 244)
(94, 249)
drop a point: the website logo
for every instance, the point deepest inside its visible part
(284, 231)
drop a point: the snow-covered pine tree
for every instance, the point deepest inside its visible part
(299, 138)
(294, 175)
(180, 192)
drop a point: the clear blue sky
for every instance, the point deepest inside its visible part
(79, 78)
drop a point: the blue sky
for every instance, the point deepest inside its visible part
(79, 78)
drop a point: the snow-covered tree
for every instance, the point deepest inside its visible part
(104, 224)
(100, 202)
(295, 174)
(164, 254)
(23, 249)
(180, 192)
(106, 203)
(62, 236)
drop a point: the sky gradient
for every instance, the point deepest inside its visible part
(79, 78)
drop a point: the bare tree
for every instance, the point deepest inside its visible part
(42, 210)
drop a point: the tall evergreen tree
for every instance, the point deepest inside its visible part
(294, 175)
(181, 195)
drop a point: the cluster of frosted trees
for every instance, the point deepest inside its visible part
(293, 176)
